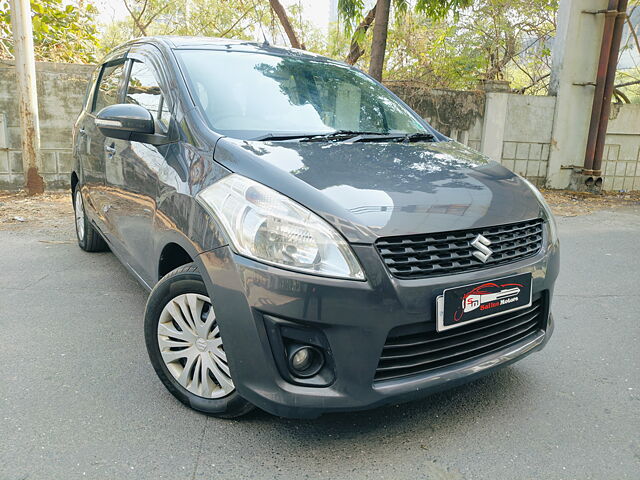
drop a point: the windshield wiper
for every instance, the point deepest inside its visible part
(315, 137)
(419, 137)
(393, 137)
(284, 136)
(342, 135)
(350, 136)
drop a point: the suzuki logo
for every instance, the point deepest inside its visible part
(482, 245)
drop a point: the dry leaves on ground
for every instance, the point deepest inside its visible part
(51, 209)
(567, 203)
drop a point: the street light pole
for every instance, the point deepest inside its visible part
(27, 94)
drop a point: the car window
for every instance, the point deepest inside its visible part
(108, 88)
(91, 88)
(144, 90)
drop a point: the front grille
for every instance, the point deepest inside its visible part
(419, 256)
(417, 348)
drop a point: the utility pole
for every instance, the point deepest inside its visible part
(576, 47)
(27, 94)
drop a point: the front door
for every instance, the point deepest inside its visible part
(132, 171)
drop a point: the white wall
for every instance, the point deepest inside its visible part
(519, 135)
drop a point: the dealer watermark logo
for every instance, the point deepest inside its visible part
(488, 296)
(481, 244)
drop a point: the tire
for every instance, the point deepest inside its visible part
(89, 239)
(185, 346)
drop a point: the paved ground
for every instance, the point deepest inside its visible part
(79, 399)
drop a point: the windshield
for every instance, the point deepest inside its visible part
(248, 96)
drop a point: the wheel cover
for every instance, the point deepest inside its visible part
(79, 213)
(191, 347)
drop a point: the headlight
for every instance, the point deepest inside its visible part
(264, 225)
(553, 226)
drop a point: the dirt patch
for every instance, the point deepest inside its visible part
(566, 203)
(50, 211)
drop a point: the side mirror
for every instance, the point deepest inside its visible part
(125, 121)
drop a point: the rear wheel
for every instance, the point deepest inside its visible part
(185, 346)
(88, 237)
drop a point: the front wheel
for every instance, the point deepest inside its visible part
(185, 347)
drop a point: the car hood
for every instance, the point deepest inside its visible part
(371, 190)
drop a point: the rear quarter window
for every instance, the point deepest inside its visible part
(91, 88)
(108, 87)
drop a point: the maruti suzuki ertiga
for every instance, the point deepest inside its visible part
(310, 243)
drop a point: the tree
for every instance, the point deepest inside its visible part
(512, 37)
(137, 10)
(355, 50)
(211, 18)
(352, 10)
(379, 43)
(491, 39)
(628, 74)
(62, 31)
(243, 19)
(286, 24)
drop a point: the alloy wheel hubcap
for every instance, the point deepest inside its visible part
(79, 212)
(191, 347)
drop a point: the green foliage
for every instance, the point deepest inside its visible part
(212, 18)
(512, 38)
(240, 19)
(628, 74)
(353, 11)
(62, 32)
(454, 44)
(423, 51)
(311, 37)
(438, 9)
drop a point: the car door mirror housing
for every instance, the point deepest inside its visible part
(125, 121)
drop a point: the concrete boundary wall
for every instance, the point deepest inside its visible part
(61, 90)
(621, 159)
(515, 130)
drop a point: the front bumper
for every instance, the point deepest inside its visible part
(356, 318)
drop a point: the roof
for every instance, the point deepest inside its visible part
(212, 43)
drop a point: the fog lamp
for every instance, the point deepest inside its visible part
(305, 360)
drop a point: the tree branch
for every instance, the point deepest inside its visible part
(286, 24)
(226, 32)
(155, 15)
(633, 32)
(627, 84)
(136, 19)
(534, 82)
(356, 51)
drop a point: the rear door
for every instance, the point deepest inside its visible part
(97, 147)
(132, 170)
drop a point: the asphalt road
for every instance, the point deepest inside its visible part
(79, 399)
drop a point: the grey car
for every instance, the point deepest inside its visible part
(310, 243)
